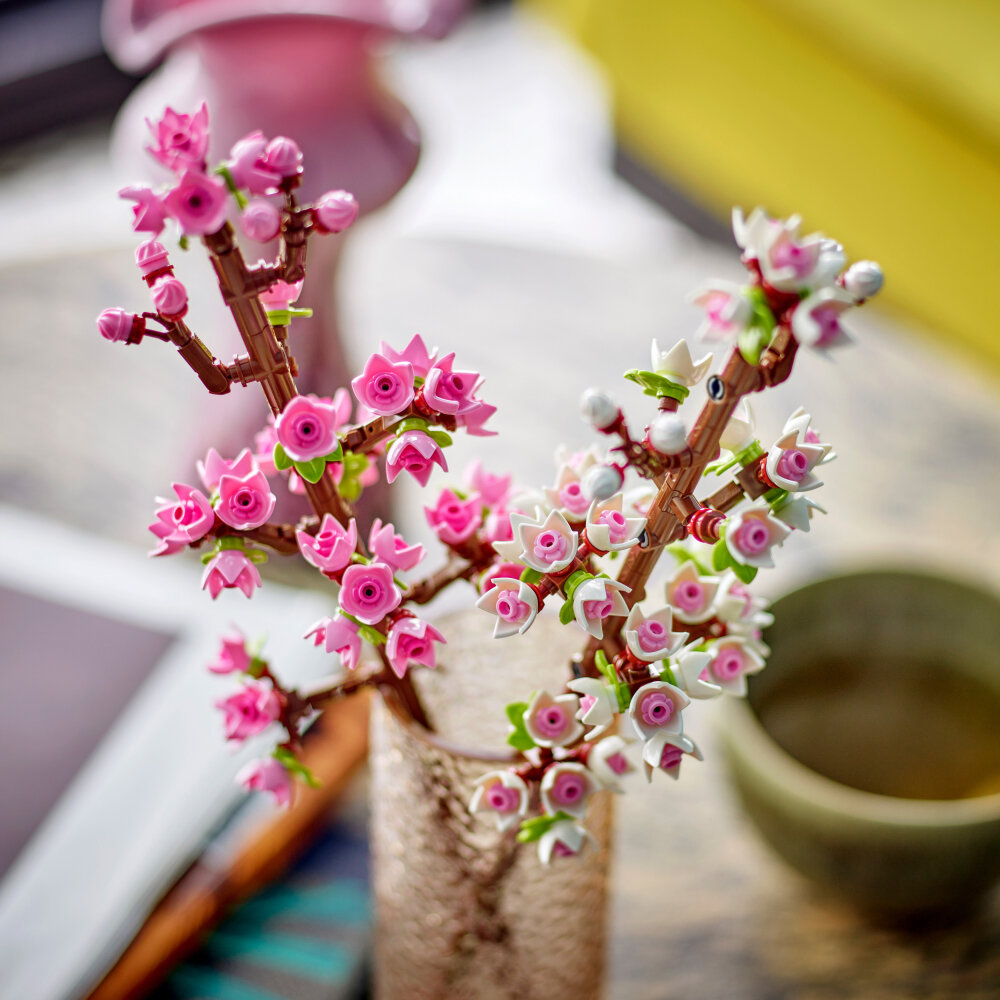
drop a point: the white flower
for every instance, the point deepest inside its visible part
(796, 511)
(596, 599)
(650, 637)
(751, 534)
(816, 319)
(727, 311)
(734, 603)
(609, 761)
(563, 838)
(788, 262)
(790, 463)
(732, 659)
(513, 602)
(799, 424)
(676, 364)
(691, 672)
(741, 429)
(566, 787)
(551, 722)
(503, 795)
(690, 595)
(657, 707)
(608, 529)
(548, 546)
(568, 495)
(664, 752)
(598, 704)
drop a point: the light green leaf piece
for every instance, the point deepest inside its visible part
(311, 471)
(681, 554)
(529, 575)
(720, 556)
(515, 712)
(566, 613)
(294, 766)
(518, 738)
(744, 573)
(371, 635)
(441, 438)
(281, 459)
(658, 386)
(537, 826)
(411, 424)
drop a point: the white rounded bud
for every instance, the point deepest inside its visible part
(863, 279)
(601, 482)
(667, 434)
(598, 409)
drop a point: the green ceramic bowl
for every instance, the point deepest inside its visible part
(868, 751)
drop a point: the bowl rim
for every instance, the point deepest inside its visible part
(748, 741)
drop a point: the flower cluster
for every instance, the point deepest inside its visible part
(587, 543)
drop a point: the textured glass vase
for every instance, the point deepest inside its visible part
(462, 910)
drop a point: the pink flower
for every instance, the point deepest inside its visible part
(214, 467)
(416, 453)
(727, 310)
(181, 140)
(651, 637)
(335, 211)
(503, 794)
(267, 776)
(655, 706)
(473, 420)
(551, 722)
(411, 642)
(514, 602)
(250, 711)
(454, 520)
(596, 599)
(392, 549)
(232, 657)
(510, 570)
(690, 595)
(816, 319)
(338, 635)
(332, 547)
(118, 325)
(260, 220)
(148, 213)
(198, 203)
(752, 534)
(566, 787)
(493, 489)
(228, 570)
(178, 524)
(548, 546)
(248, 168)
(245, 502)
(414, 354)
(263, 442)
(665, 751)
(307, 428)
(385, 387)
(280, 296)
(368, 592)
(448, 391)
(497, 526)
(283, 156)
(170, 297)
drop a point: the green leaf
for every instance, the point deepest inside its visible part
(566, 613)
(667, 674)
(441, 438)
(183, 242)
(573, 581)
(223, 171)
(515, 712)
(658, 386)
(294, 766)
(281, 459)
(681, 554)
(751, 453)
(720, 555)
(744, 573)
(537, 826)
(354, 465)
(752, 343)
(371, 635)
(256, 556)
(411, 424)
(530, 575)
(311, 471)
(520, 740)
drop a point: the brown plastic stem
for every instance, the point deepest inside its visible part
(212, 375)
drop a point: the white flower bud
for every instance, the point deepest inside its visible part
(601, 482)
(863, 279)
(667, 434)
(598, 409)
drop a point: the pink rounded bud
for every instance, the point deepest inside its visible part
(335, 211)
(151, 256)
(261, 220)
(170, 298)
(283, 156)
(792, 465)
(117, 324)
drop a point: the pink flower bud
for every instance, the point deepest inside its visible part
(261, 220)
(332, 547)
(411, 642)
(181, 141)
(267, 776)
(151, 257)
(245, 502)
(230, 569)
(335, 211)
(232, 657)
(179, 524)
(392, 549)
(369, 592)
(148, 213)
(283, 156)
(249, 711)
(416, 453)
(170, 298)
(307, 428)
(247, 167)
(119, 325)
(455, 520)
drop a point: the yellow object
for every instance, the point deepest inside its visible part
(878, 122)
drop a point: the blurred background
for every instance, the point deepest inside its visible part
(542, 183)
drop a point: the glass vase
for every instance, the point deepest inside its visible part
(462, 910)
